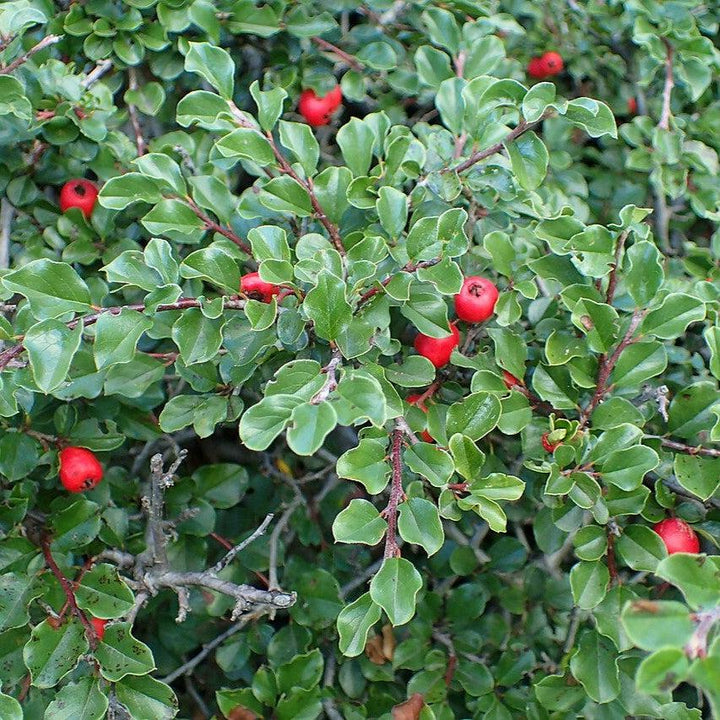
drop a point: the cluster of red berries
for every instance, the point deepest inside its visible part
(547, 65)
(317, 110)
(474, 303)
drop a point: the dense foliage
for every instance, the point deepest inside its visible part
(301, 516)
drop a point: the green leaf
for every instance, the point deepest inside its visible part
(51, 653)
(627, 468)
(51, 346)
(76, 525)
(662, 671)
(147, 698)
(392, 210)
(201, 107)
(593, 116)
(10, 708)
(303, 671)
(529, 158)
(467, 458)
(653, 625)
(696, 576)
(415, 371)
(645, 275)
(198, 337)
(214, 265)
(358, 397)
(264, 421)
(639, 362)
(52, 288)
(419, 523)
(269, 103)
(589, 581)
(640, 548)
(698, 475)
(176, 221)
(354, 623)
(327, 307)
(430, 461)
(298, 138)
(474, 416)
(284, 195)
(671, 319)
(117, 335)
(246, 143)
(214, 64)
(123, 190)
(595, 666)
(120, 654)
(366, 464)
(16, 593)
(395, 587)
(359, 522)
(203, 412)
(82, 700)
(497, 486)
(309, 426)
(356, 140)
(164, 169)
(103, 593)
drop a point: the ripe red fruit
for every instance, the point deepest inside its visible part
(678, 536)
(99, 626)
(536, 68)
(258, 289)
(510, 380)
(438, 350)
(632, 106)
(413, 400)
(80, 194)
(549, 446)
(79, 469)
(552, 62)
(476, 300)
(317, 110)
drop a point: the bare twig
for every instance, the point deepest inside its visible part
(7, 212)
(689, 449)
(513, 135)
(353, 62)
(330, 380)
(612, 280)
(402, 425)
(46, 42)
(221, 564)
(96, 73)
(275, 539)
(664, 122)
(140, 143)
(397, 494)
(191, 664)
(67, 587)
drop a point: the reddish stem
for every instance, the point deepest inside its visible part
(392, 549)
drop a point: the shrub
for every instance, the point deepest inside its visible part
(384, 538)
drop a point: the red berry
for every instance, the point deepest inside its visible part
(80, 194)
(476, 300)
(552, 63)
(258, 289)
(438, 350)
(99, 626)
(413, 400)
(678, 536)
(549, 446)
(632, 106)
(536, 69)
(317, 110)
(79, 469)
(510, 380)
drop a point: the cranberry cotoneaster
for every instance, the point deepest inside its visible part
(476, 300)
(547, 65)
(317, 110)
(678, 536)
(78, 193)
(438, 350)
(257, 289)
(79, 469)
(99, 626)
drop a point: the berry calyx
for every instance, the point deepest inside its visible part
(678, 536)
(99, 626)
(78, 193)
(476, 300)
(413, 400)
(79, 469)
(317, 110)
(547, 444)
(510, 380)
(257, 289)
(438, 350)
